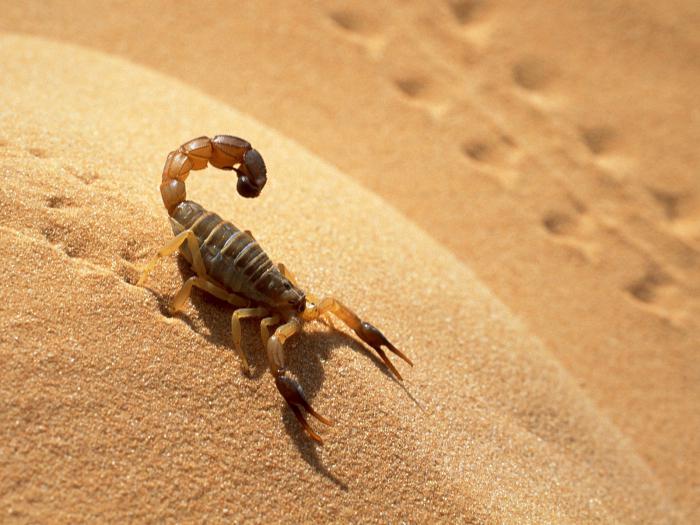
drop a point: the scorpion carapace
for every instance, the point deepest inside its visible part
(229, 264)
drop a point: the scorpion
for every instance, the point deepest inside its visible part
(229, 264)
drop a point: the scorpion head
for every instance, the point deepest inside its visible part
(252, 174)
(281, 294)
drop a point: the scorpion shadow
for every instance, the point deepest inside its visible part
(312, 349)
(305, 352)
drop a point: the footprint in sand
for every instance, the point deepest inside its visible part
(534, 74)
(61, 228)
(658, 293)
(645, 289)
(676, 205)
(559, 223)
(498, 151)
(472, 20)
(573, 229)
(421, 90)
(360, 29)
(351, 21)
(466, 11)
(131, 259)
(682, 212)
(605, 146)
(598, 139)
(59, 201)
(39, 153)
(55, 230)
(72, 243)
(86, 178)
(131, 252)
(412, 87)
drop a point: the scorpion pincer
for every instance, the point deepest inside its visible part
(229, 264)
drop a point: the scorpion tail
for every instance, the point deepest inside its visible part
(224, 152)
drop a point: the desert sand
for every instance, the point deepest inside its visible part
(509, 192)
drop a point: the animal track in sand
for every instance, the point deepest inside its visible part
(476, 150)
(64, 238)
(682, 212)
(125, 271)
(128, 256)
(471, 21)
(360, 29)
(533, 74)
(657, 293)
(670, 202)
(559, 223)
(418, 89)
(58, 228)
(645, 288)
(489, 150)
(573, 229)
(598, 139)
(61, 213)
(59, 201)
(38, 153)
(86, 178)
(465, 11)
(125, 268)
(128, 252)
(351, 21)
(412, 86)
(80, 243)
(84, 265)
(496, 153)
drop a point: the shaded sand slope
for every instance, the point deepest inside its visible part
(551, 145)
(112, 409)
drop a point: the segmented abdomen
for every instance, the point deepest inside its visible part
(231, 256)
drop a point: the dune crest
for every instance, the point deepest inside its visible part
(114, 410)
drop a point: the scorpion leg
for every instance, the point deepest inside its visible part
(291, 390)
(170, 248)
(239, 314)
(207, 286)
(364, 330)
(265, 325)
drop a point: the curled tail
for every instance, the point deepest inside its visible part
(224, 152)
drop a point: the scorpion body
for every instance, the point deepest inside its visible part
(230, 264)
(231, 256)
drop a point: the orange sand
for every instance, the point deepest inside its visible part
(548, 147)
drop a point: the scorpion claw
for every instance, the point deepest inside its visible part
(294, 396)
(374, 338)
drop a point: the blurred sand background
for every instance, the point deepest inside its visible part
(549, 147)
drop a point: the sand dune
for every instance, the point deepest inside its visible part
(114, 410)
(550, 146)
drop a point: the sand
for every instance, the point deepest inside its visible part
(550, 150)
